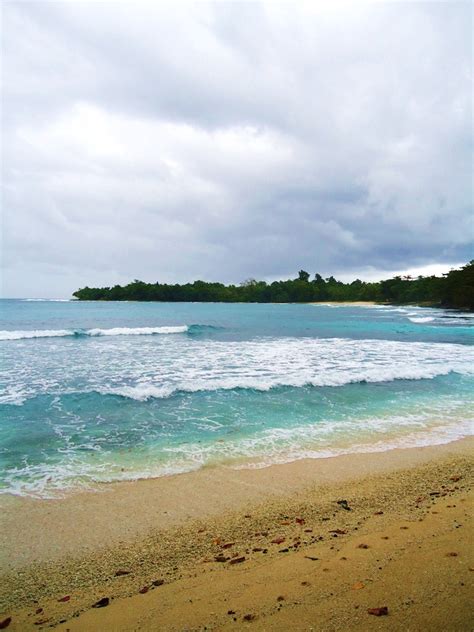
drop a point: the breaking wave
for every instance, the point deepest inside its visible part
(214, 365)
(77, 333)
(144, 392)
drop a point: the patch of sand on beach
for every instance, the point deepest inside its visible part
(347, 303)
(315, 556)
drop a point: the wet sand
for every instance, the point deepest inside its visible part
(271, 549)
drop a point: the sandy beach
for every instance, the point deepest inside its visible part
(347, 303)
(312, 544)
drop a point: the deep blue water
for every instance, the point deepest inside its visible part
(93, 392)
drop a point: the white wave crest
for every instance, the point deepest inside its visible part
(116, 331)
(137, 331)
(266, 364)
(35, 333)
(143, 392)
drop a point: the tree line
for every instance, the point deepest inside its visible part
(454, 289)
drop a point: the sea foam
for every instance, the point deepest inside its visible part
(77, 470)
(172, 364)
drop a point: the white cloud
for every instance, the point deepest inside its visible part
(225, 140)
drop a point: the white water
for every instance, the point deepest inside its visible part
(167, 364)
(116, 331)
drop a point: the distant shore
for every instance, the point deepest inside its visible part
(297, 545)
(453, 290)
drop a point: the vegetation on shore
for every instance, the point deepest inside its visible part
(454, 290)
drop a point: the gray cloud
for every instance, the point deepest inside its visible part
(228, 140)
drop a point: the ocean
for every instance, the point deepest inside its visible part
(101, 392)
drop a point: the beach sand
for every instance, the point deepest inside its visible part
(348, 303)
(268, 549)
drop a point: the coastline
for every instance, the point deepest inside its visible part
(169, 526)
(347, 303)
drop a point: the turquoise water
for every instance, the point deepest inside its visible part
(95, 392)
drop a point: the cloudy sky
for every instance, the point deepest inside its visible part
(223, 141)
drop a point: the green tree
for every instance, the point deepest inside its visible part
(303, 276)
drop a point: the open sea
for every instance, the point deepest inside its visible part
(98, 392)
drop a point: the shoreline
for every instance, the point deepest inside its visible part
(347, 303)
(456, 429)
(173, 530)
(164, 502)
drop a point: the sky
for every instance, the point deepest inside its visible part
(224, 141)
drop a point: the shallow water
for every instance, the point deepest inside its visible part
(93, 392)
